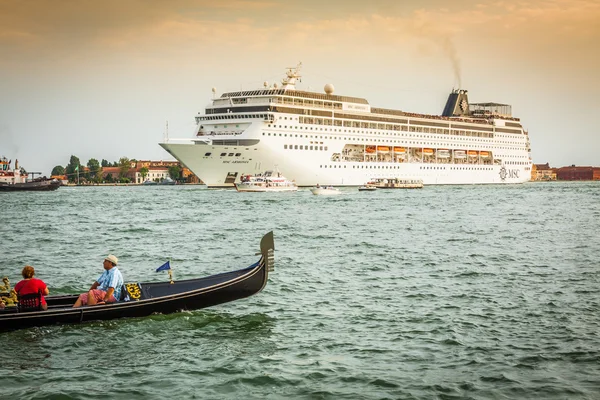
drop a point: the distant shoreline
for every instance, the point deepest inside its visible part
(128, 184)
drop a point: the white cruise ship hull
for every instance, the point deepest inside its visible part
(308, 168)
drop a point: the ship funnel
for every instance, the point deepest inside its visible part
(457, 104)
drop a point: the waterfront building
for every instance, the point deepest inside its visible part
(543, 172)
(574, 173)
(157, 171)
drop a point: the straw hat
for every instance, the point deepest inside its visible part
(112, 259)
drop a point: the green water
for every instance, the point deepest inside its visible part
(441, 293)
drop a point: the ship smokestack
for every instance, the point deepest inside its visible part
(457, 104)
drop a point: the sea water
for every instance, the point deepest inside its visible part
(482, 292)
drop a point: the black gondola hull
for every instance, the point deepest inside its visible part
(162, 298)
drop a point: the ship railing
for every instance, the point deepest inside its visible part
(189, 140)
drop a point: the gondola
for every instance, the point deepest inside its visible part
(155, 297)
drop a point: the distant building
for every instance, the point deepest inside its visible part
(157, 171)
(574, 173)
(62, 178)
(543, 172)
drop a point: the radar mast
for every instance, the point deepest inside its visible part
(293, 74)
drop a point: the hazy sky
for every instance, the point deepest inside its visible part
(99, 79)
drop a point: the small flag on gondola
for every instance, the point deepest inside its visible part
(164, 267)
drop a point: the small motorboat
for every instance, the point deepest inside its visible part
(368, 187)
(143, 299)
(168, 181)
(325, 191)
(149, 182)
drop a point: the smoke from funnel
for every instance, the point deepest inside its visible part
(425, 28)
(450, 50)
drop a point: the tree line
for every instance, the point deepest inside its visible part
(75, 171)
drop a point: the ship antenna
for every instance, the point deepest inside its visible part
(292, 74)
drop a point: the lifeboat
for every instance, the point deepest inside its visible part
(484, 154)
(459, 154)
(370, 149)
(399, 150)
(428, 152)
(472, 153)
(383, 149)
(443, 153)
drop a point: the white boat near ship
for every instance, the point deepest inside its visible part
(344, 141)
(266, 182)
(325, 191)
(368, 187)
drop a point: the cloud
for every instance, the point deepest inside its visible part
(67, 25)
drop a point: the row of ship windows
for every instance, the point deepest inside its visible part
(303, 147)
(409, 142)
(397, 167)
(384, 140)
(389, 127)
(415, 129)
(230, 116)
(224, 154)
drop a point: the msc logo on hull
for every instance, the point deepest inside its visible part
(510, 173)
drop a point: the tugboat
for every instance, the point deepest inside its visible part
(13, 180)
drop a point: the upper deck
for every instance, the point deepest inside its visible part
(327, 107)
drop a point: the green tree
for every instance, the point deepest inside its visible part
(105, 163)
(144, 172)
(71, 170)
(124, 166)
(58, 170)
(95, 173)
(175, 172)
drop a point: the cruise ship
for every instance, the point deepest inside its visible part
(312, 137)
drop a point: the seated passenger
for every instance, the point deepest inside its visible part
(31, 285)
(107, 289)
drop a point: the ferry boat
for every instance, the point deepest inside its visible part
(266, 182)
(395, 183)
(344, 141)
(12, 180)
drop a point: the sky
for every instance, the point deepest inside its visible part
(101, 79)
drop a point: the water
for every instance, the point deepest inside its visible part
(483, 292)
